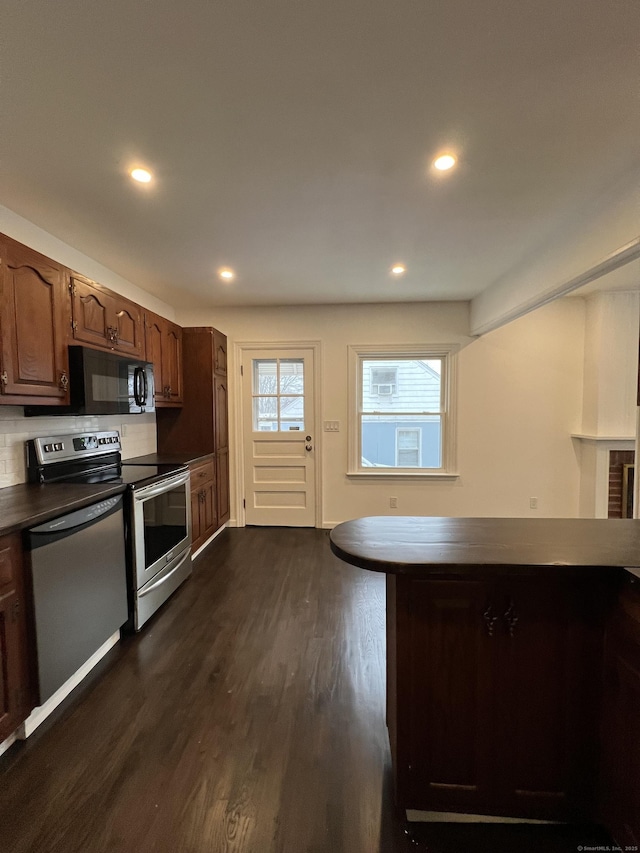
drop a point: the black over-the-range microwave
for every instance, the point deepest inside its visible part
(103, 383)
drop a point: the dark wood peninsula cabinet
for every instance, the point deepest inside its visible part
(620, 763)
(15, 691)
(200, 427)
(105, 320)
(504, 718)
(513, 664)
(163, 340)
(33, 327)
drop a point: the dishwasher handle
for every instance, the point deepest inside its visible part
(66, 525)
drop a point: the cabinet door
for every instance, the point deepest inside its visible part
(222, 486)
(220, 353)
(129, 327)
(548, 668)
(106, 320)
(32, 319)
(196, 527)
(620, 742)
(446, 727)
(154, 333)
(15, 691)
(208, 510)
(172, 363)
(221, 422)
(92, 323)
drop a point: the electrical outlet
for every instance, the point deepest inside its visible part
(393, 503)
(123, 430)
(533, 503)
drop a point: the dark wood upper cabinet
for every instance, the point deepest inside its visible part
(220, 353)
(105, 320)
(201, 425)
(34, 319)
(164, 348)
(15, 688)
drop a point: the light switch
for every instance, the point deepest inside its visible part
(332, 426)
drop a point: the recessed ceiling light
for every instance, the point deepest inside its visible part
(398, 270)
(226, 274)
(444, 162)
(141, 175)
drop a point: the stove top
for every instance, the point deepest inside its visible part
(89, 458)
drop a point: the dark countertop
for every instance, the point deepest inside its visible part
(29, 504)
(421, 546)
(167, 459)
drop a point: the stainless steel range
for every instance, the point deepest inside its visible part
(157, 509)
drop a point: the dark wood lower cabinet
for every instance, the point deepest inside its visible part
(15, 693)
(620, 765)
(204, 521)
(499, 684)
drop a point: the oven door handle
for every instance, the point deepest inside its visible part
(165, 577)
(165, 486)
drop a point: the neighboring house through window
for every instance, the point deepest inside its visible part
(402, 415)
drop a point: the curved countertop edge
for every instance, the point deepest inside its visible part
(428, 545)
(28, 504)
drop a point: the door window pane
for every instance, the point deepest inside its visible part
(278, 395)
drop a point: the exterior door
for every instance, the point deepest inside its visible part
(279, 438)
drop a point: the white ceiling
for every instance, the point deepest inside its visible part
(292, 140)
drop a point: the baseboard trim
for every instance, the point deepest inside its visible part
(40, 714)
(209, 540)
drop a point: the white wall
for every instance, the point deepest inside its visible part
(519, 390)
(611, 370)
(26, 232)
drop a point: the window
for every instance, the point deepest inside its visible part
(402, 411)
(408, 447)
(384, 380)
(278, 394)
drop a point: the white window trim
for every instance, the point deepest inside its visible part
(448, 352)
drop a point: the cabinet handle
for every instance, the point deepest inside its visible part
(112, 334)
(489, 620)
(64, 381)
(510, 618)
(4, 378)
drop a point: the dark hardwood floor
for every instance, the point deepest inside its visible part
(247, 717)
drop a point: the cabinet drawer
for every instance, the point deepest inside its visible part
(201, 473)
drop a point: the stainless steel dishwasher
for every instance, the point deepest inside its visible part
(79, 588)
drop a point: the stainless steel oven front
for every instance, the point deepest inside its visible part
(161, 542)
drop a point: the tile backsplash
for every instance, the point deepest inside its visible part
(138, 439)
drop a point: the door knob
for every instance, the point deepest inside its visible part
(308, 447)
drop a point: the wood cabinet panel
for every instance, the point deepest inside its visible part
(164, 348)
(201, 425)
(499, 710)
(203, 502)
(105, 320)
(619, 799)
(446, 754)
(220, 353)
(34, 327)
(15, 692)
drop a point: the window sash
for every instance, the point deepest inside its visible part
(444, 416)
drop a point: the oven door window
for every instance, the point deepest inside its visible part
(165, 523)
